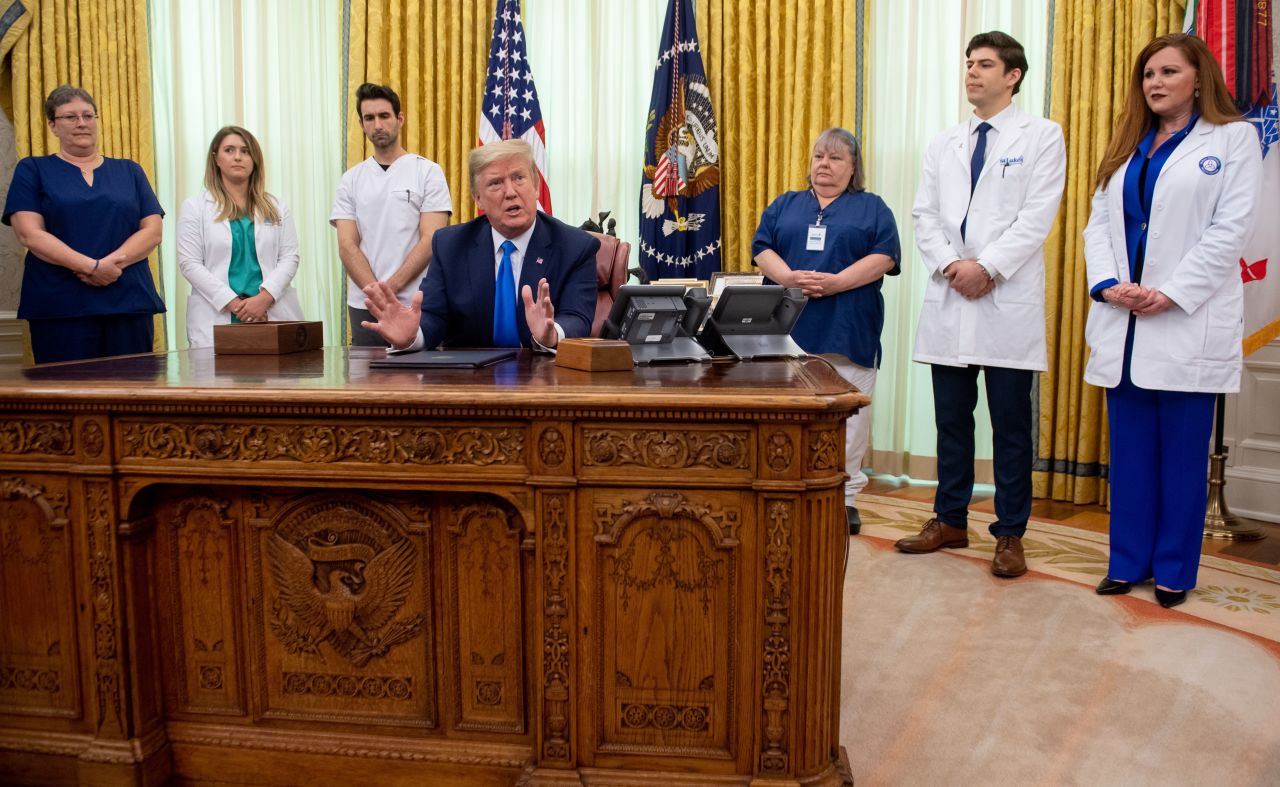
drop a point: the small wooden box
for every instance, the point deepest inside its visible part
(594, 355)
(267, 338)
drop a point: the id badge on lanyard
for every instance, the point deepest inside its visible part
(817, 238)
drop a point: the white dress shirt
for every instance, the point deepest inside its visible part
(993, 135)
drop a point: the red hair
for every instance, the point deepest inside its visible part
(1213, 103)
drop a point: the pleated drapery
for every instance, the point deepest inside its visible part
(779, 74)
(1094, 48)
(434, 54)
(101, 47)
(272, 67)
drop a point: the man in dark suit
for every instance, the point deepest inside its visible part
(484, 271)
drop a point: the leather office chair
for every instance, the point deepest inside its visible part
(611, 273)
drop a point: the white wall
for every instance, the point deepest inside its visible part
(1253, 438)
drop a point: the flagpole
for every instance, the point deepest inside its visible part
(1218, 521)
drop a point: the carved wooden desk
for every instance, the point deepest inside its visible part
(295, 569)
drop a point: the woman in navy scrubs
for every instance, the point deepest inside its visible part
(88, 223)
(1174, 207)
(836, 242)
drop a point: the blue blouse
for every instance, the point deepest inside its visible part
(857, 224)
(1139, 188)
(93, 220)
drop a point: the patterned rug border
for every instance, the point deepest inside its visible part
(1243, 597)
(1246, 567)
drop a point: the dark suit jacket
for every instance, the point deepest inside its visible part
(457, 292)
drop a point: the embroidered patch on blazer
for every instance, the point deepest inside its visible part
(1210, 165)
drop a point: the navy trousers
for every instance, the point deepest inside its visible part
(81, 338)
(955, 396)
(1159, 483)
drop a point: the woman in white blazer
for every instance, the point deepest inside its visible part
(1173, 209)
(237, 245)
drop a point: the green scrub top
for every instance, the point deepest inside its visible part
(245, 272)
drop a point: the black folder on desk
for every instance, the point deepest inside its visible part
(443, 359)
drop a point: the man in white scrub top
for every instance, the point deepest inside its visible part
(386, 210)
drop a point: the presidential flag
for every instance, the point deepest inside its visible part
(680, 191)
(509, 109)
(1243, 38)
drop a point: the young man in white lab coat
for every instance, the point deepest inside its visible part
(987, 199)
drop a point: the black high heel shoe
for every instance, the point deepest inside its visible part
(1170, 598)
(853, 519)
(1113, 587)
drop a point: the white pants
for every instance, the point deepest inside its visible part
(857, 434)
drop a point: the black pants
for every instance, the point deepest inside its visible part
(361, 336)
(81, 338)
(955, 396)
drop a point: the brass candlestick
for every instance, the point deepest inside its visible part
(1218, 521)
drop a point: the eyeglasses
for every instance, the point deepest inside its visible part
(86, 117)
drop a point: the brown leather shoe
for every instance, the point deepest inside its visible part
(934, 536)
(1009, 560)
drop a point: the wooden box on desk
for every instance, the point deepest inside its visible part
(267, 338)
(594, 355)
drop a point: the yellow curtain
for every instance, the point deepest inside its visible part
(101, 47)
(433, 53)
(779, 74)
(1095, 45)
(13, 24)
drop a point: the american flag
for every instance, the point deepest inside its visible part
(669, 178)
(510, 107)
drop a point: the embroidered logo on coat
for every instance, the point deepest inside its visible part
(1210, 165)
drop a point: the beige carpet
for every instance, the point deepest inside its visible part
(952, 676)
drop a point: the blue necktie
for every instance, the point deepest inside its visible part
(975, 166)
(504, 302)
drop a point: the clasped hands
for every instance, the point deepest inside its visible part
(969, 278)
(398, 324)
(100, 273)
(815, 284)
(1145, 301)
(253, 308)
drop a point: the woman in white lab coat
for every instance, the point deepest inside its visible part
(1172, 212)
(237, 245)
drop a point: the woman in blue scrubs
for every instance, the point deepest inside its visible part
(836, 242)
(1174, 207)
(88, 223)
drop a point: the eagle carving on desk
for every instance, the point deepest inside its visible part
(342, 591)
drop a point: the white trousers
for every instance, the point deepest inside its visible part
(857, 435)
